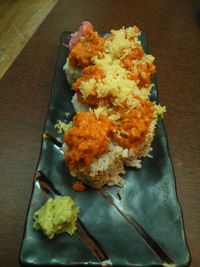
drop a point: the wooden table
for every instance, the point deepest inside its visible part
(173, 29)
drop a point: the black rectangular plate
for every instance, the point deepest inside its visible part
(143, 228)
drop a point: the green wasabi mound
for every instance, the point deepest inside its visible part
(56, 216)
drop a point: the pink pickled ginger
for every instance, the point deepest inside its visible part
(75, 37)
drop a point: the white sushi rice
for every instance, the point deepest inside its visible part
(104, 170)
(144, 150)
(72, 73)
(79, 106)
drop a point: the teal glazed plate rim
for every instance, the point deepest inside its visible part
(144, 227)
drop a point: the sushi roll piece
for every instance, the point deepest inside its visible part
(125, 46)
(97, 147)
(119, 74)
(108, 86)
(83, 46)
(133, 128)
(89, 153)
(106, 169)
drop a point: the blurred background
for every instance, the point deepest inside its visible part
(19, 19)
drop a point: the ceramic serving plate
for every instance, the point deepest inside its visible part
(143, 227)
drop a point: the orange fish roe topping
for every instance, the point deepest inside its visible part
(89, 72)
(78, 186)
(94, 100)
(145, 71)
(132, 127)
(136, 53)
(89, 137)
(141, 72)
(88, 46)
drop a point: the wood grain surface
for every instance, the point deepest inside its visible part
(18, 21)
(173, 29)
